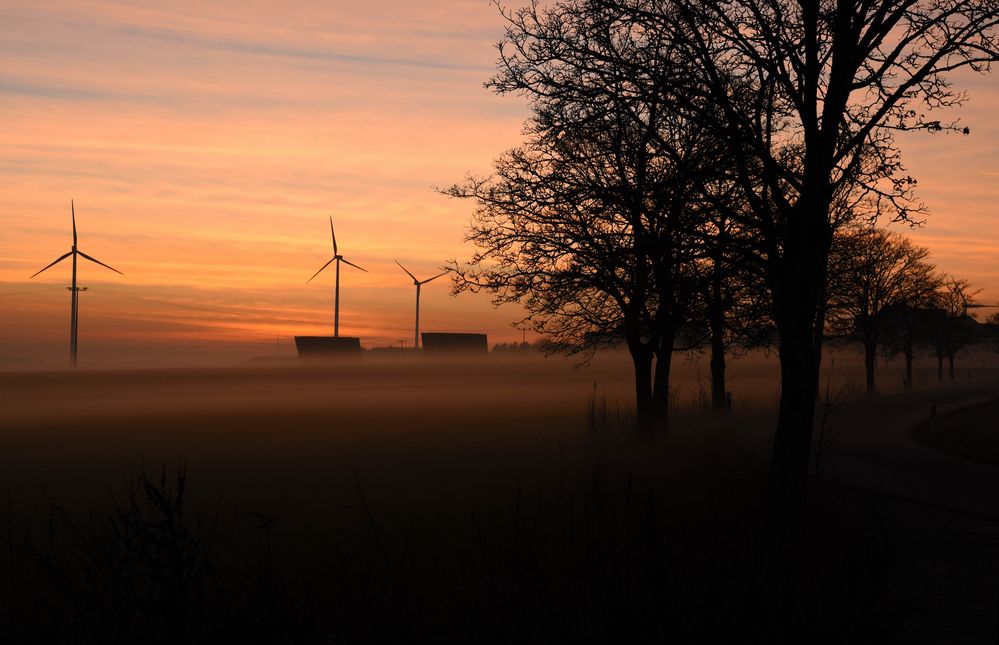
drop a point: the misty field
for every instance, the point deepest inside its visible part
(506, 499)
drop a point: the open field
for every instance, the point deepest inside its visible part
(501, 500)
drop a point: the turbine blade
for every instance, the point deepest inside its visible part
(72, 208)
(435, 277)
(99, 262)
(333, 233)
(319, 271)
(353, 265)
(406, 270)
(61, 258)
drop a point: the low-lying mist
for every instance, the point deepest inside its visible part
(416, 426)
(325, 497)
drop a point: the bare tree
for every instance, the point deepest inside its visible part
(951, 329)
(807, 96)
(812, 93)
(732, 313)
(590, 224)
(907, 327)
(873, 272)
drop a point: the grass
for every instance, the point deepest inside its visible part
(482, 506)
(591, 552)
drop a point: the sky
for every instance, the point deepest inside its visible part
(206, 143)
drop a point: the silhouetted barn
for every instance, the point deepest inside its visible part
(443, 343)
(319, 347)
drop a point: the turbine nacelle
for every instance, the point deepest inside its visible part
(417, 282)
(336, 257)
(74, 250)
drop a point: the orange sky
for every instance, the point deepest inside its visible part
(205, 143)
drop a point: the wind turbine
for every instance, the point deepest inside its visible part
(418, 283)
(74, 306)
(336, 294)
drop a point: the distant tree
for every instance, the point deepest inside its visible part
(518, 348)
(873, 272)
(992, 330)
(951, 329)
(590, 224)
(907, 327)
(732, 312)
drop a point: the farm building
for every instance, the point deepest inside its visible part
(453, 343)
(319, 347)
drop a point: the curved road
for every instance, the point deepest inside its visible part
(937, 513)
(870, 446)
(873, 448)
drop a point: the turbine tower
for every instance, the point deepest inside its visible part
(336, 293)
(418, 283)
(74, 303)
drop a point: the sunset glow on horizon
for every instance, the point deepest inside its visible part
(206, 144)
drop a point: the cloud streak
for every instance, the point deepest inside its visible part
(205, 145)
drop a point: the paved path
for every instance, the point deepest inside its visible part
(938, 513)
(873, 448)
(870, 445)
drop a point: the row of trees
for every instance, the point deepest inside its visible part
(694, 160)
(886, 296)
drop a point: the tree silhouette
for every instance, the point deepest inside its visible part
(812, 93)
(873, 273)
(951, 329)
(733, 312)
(908, 325)
(591, 223)
(800, 100)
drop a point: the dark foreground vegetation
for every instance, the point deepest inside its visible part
(590, 553)
(294, 506)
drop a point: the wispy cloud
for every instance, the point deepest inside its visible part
(309, 54)
(206, 143)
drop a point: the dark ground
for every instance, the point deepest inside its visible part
(447, 502)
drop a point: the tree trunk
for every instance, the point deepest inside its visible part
(940, 368)
(660, 389)
(908, 367)
(950, 365)
(716, 320)
(642, 360)
(798, 283)
(717, 373)
(870, 362)
(799, 363)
